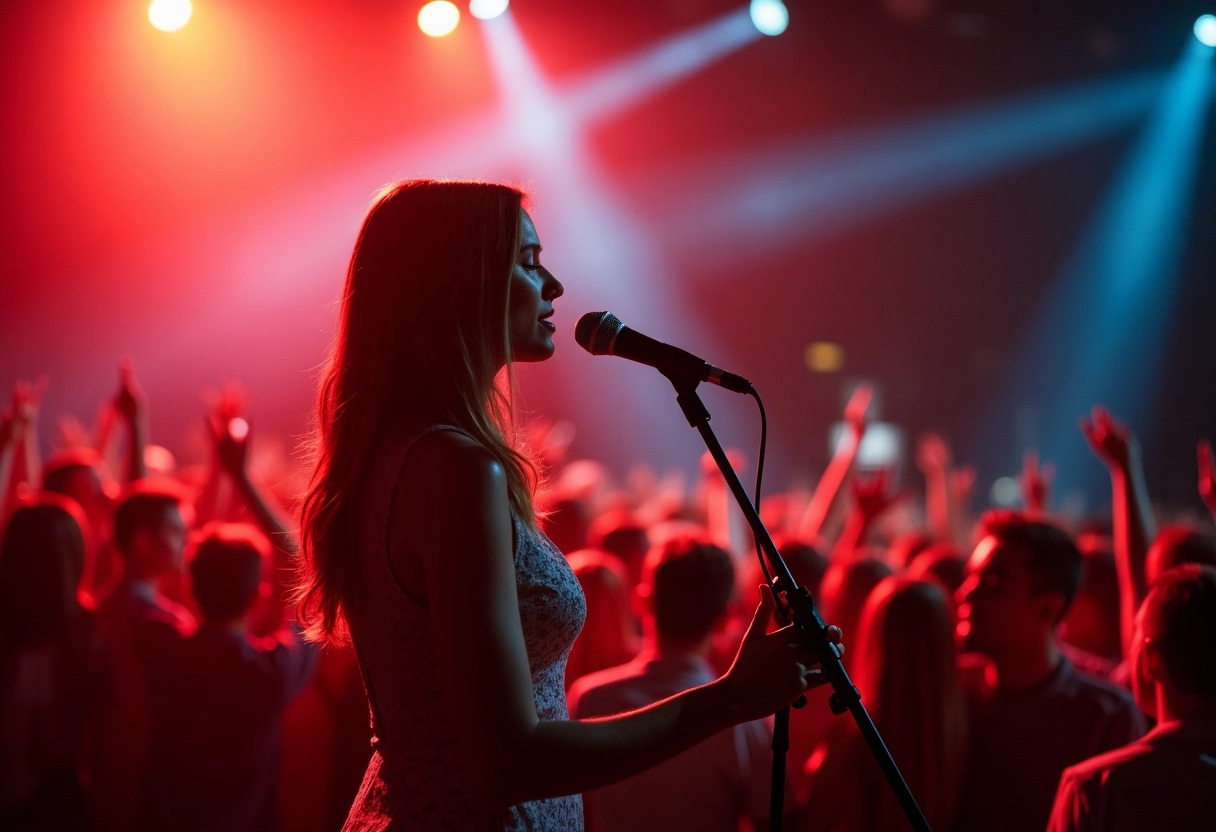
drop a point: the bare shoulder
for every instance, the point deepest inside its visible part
(451, 494)
(448, 460)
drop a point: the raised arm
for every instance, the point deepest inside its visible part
(131, 405)
(19, 452)
(451, 542)
(1116, 447)
(831, 484)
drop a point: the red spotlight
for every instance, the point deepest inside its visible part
(438, 18)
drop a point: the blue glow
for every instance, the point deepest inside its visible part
(1205, 30)
(818, 188)
(770, 17)
(1103, 332)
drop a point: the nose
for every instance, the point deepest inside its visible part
(553, 287)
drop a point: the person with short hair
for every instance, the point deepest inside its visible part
(217, 728)
(1032, 713)
(1166, 779)
(686, 589)
(145, 630)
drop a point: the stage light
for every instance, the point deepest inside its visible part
(487, 9)
(438, 18)
(1205, 30)
(770, 16)
(169, 15)
(824, 357)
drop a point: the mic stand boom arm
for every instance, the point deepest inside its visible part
(806, 617)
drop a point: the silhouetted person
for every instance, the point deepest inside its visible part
(55, 675)
(1166, 779)
(146, 630)
(687, 584)
(217, 715)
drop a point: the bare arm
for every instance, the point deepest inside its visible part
(451, 530)
(933, 459)
(1116, 447)
(831, 484)
(132, 405)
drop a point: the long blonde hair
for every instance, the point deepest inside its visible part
(422, 334)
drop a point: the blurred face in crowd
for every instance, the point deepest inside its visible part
(165, 543)
(999, 608)
(533, 290)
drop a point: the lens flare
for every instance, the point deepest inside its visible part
(1205, 30)
(169, 15)
(771, 17)
(487, 9)
(438, 18)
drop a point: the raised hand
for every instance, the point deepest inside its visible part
(1110, 440)
(933, 455)
(962, 483)
(1207, 476)
(855, 410)
(229, 430)
(1036, 482)
(130, 401)
(871, 495)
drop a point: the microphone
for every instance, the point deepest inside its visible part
(602, 333)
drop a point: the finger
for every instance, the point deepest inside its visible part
(763, 616)
(834, 634)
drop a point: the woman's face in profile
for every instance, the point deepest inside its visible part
(533, 290)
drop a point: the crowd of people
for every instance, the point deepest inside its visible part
(161, 625)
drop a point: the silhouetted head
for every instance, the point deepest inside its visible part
(41, 563)
(844, 590)
(1175, 643)
(610, 633)
(150, 530)
(226, 570)
(687, 584)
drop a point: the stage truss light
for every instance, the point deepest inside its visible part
(438, 18)
(169, 15)
(771, 17)
(1205, 30)
(487, 9)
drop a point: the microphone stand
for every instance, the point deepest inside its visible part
(806, 617)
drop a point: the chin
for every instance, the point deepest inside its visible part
(533, 353)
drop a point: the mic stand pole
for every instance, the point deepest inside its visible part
(806, 618)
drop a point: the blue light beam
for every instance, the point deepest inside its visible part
(1103, 332)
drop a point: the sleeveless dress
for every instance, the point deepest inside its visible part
(415, 779)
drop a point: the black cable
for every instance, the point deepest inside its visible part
(760, 476)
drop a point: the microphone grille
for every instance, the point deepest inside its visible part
(595, 332)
